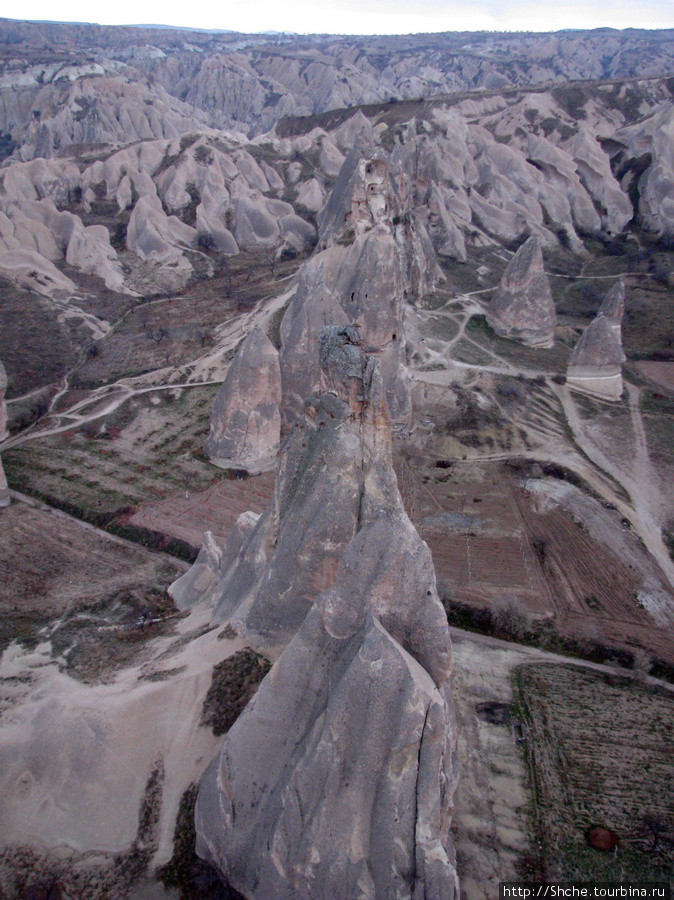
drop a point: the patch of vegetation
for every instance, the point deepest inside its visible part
(572, 98)
(466, 351)
(442, 328)
(96, 644)
(195, 879)
(552, 358)
(234, 682)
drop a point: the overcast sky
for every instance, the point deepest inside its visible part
(363, 16)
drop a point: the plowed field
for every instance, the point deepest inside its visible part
(187, 515)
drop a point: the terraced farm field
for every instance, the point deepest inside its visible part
(599, 751)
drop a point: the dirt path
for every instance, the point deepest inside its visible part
(637, 477)
(459, 635)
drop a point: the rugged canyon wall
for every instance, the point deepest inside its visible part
(337, 779)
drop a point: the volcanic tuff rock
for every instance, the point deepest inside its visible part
(199, 584)
(4, 489)
(196, 585)
(376, 255)
(182, 196)
(336, 780)
(594, 367)
(245, 421)
(154, 82)
(613, 307)
(332, 467)
(650, 141)
(3, 409)
(522, 306)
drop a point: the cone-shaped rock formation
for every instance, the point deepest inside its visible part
(595, 365)
(245, 422)
(522, 307)
(200, 583)
(613, 308)
(336, 781)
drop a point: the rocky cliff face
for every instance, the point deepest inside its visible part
(245, 421)
(522, 307)
(249, 82)
(336, 781)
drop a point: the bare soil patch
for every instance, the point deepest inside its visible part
(481, 550)
(36, 346)
(661, 373)
(569, 565)
(172, 329)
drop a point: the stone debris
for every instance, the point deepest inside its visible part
(522, 308)
(245, 421)
(336, 781)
